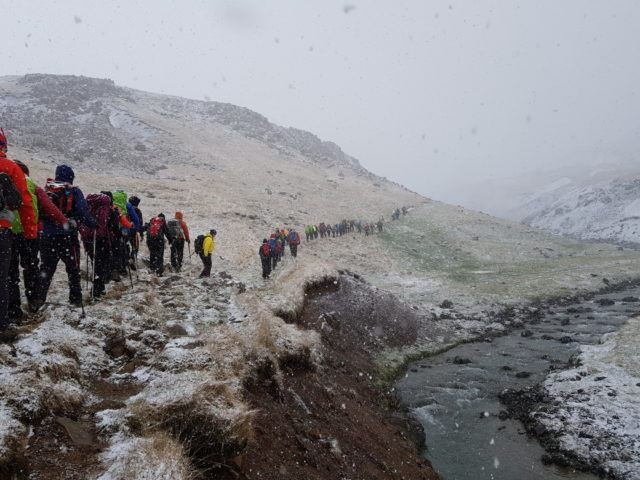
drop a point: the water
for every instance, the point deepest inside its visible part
(458, 405)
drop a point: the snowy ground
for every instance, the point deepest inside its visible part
(597, 405)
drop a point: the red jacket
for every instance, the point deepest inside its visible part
(48, 209)
(27, 215)
(183, 225)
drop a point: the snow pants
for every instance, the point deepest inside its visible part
(206, 262)
(156, 256)
(177, 254)
(53, 249)
(5, 259)
(266, 267)
(23, 253)
(294, 250)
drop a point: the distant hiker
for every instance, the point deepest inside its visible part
(180, 234)
(323, 229)
(273, 248)
(129, 226)
(58, 243)
(24, 250)
(156, 233)
(205, 249)
(404, 211)
(329, 230)
(293, 239)
(97, 241)
(315, 231)
(265, 258)
(14, 195)
(307, 232)
(135, 239)
(366, 229)
(379, 225)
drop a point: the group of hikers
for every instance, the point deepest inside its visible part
(273, 249)
(39, 227)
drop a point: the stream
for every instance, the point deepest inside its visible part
(455, 395)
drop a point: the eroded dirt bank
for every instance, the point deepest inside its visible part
(332, 422)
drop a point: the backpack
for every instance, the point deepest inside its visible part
(266, 250)
(198, 245)
(100, 208)
(155, 227)
(294, 239)
(9, 196)
(61, 194)
(175, 230)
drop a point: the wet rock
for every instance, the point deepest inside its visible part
(547, 337)
(630, 299)
(605, 302)
(506, 368)
(523, 374)
(461, 360)
(599, 379)
(503, 415)
(526, 333)
(78, 432)
(613, 393)
(177, 330)
(446, 304)
(566, 339)
(115, 346)
(565, 322)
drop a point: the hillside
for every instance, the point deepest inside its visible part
(157, 372)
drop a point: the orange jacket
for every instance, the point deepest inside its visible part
(26, 212)
(183, 225)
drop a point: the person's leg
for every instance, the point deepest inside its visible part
(30, 268)
(49, 256)
(174, 254)
(70, 256)
(5, 260)
(101, 266)
(15, 309)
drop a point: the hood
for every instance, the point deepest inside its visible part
(135, 201)
(64, 173)
(179, 215)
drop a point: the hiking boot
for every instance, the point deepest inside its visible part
(8, 334)
(34, 305)
(76, 302)
(16, 315)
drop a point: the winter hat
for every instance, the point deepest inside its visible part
(3, 138)
(265, 241)
(64, 173)
(179, 215)
(22, 166)
(213, 232)
(161, 215)
(135, 201)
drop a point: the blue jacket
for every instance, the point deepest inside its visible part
(80, 209)
(133, 215)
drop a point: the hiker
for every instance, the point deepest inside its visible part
(293, 239)
(156, 233)
(180, 233)
(97, 241)
(404, 211)
(205, 248)
(135, 239)
(129, 226)
(307, 232)
(14, 195)
(379, 224)
(265, 258)
(24, 251)
(273, 248)
(329, 230)
(58, 243)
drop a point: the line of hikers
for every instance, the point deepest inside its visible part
(273, 249)
(39, 227)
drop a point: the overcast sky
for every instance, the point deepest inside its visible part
(433, 94)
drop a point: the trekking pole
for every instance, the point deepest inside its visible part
(86, 254)
(93, 276)
(189, 250)
(130, 276)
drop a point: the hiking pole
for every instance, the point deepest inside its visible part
(93, 276)
(86, 254)
(189, 249)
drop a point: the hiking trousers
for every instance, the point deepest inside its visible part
(177, 254)
(294, 250)
(5, 259)
(24, 253)
(101, 264)
(53, 249)
(206, 261)
(266, 267)
(156, 257)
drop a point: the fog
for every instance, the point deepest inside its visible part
(436, 95)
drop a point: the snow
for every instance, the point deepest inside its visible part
(598, 404)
